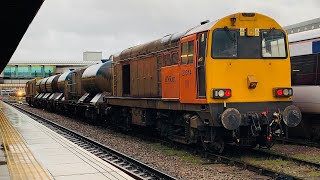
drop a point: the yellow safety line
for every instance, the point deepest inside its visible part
(20, 160)
(17, 152)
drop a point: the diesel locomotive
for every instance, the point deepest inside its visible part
(224, 81)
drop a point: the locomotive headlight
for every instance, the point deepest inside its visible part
(286, 92)
(221, 93)
(19, 93)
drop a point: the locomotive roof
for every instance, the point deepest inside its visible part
(201, 28)
(166, 42)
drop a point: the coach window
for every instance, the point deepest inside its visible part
(304, 70)
(174, 58)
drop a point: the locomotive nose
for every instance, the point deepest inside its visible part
(292, 116)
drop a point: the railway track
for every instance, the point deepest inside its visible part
(285, 157)
(302, 142)
(132, 167)
(251, 167)
(98, 149)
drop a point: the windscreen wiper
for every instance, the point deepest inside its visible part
(270, 31)
(226, 29)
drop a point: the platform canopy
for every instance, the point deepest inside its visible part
(16, 16)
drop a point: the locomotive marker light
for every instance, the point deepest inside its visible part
(282, 92)
(292, 116)
(231, 118)
(221, 93)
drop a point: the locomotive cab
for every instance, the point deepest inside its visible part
(248, 78)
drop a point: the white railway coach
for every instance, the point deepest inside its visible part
(305, 65)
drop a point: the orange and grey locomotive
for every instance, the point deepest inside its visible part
(226, 81)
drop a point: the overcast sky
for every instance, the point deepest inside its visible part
(64, 29)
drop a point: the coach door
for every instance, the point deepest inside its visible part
(201, 58)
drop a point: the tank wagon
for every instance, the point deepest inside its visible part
(76, 90)
(63, 88)
(305, 59)
(226, 81)
(73, 92)
(97, 83)
(40, 89)
(52, 89)
(31, 90)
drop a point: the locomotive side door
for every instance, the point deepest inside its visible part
(201, 58)
(188, 70)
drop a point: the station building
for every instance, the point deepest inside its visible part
(18, 72)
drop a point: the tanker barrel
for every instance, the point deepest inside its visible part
(49, 83)
(98, 78)
(43, 85)
(61, 81)
(38, 86)
(54, 84)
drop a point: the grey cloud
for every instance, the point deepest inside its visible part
(63, 29)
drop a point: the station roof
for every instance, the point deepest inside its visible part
(16, 16)
(303, 26)
(56, 62)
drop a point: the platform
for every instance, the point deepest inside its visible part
(32, 151)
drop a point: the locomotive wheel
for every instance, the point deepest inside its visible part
(217, 146)
(94, 118)
(277, 132)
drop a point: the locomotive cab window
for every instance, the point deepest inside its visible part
(273, 44)
(171, 59)
(229, 44)
(167, 60)
(175, 58)
(187, 50)
(224, 44)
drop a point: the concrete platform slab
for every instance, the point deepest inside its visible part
(57, 155)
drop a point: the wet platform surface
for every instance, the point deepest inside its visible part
(53, 156)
